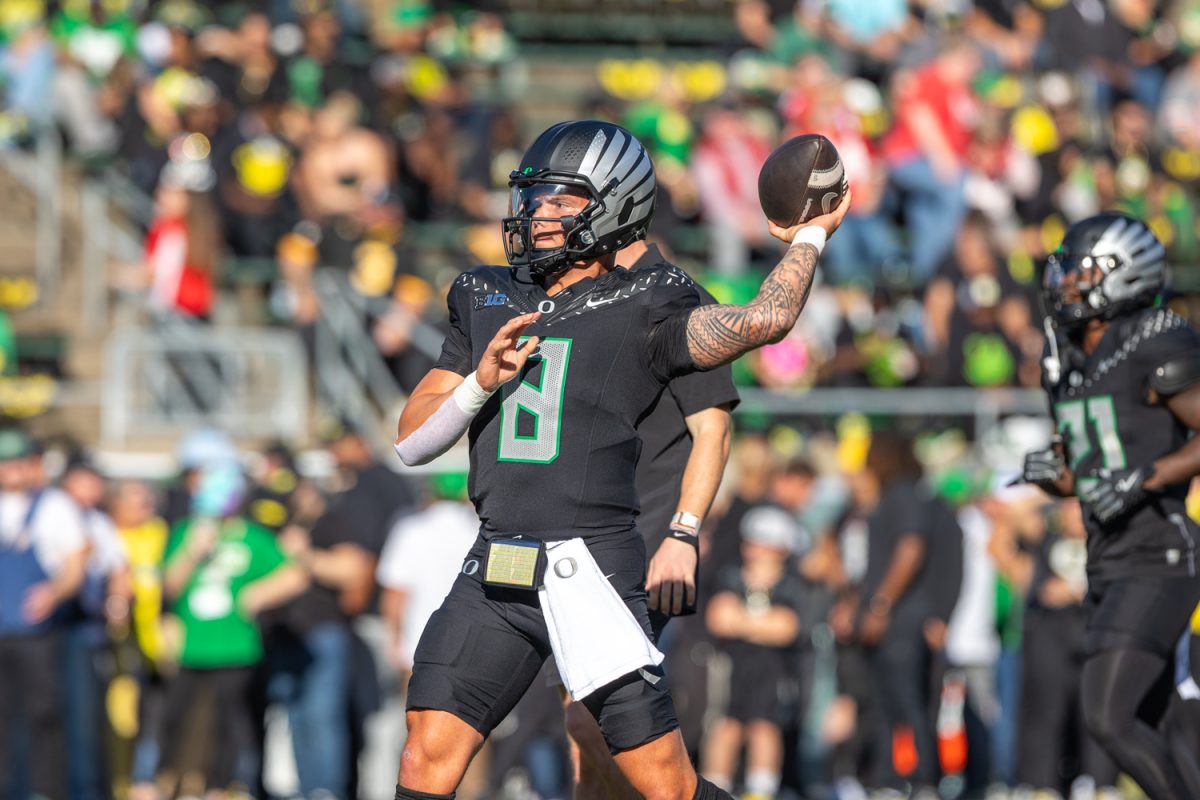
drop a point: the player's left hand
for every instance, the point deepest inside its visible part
(1118, 493)
(671, 577)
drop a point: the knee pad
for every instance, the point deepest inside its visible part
(413, 794)
(707, 790)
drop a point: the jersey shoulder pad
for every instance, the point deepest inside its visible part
(1144, 339)
(483, 279)
(670, 275)
(1170, 351)
(1159, 334)
(484, 287)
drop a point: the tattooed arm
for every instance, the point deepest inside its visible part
(717, 334)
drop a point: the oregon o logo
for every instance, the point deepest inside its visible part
(546, 307)
(470, 567)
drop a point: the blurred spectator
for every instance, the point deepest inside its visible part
(752, 464)
(978, 319)
(144, 536)
(221, 571)
(374, 495)
(818, 102)
(1051, 720)
(417, 567)
(1179, 113)
(311, 659)
(345, 170)
(43, 550)
(727, 159)
(870, 32)
(926, 148)
(1131, 164)
(85, 641)
(972, 645)
(322, 68)
(1018, 526)
(92, 39)
(893, 611)
(27, 69)
(183, 243)
(1009, 29)
(755, 613)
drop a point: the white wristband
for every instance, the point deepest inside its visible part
(470, 396)
(811, 234)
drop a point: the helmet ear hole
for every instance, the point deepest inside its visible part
(626, 211)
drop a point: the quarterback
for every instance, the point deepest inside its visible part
(549, 365)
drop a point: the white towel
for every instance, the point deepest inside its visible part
(594, 635)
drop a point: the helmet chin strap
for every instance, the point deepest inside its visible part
(1052, 363)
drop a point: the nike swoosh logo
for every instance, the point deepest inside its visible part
(600, 301)
(1127, 484)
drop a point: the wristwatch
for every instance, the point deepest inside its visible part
(686, 528)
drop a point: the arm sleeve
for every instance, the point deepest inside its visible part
(436, 435)
(672, 301)
(456, 348)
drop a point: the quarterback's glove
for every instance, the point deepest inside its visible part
(1045, 467)
(1117, 493)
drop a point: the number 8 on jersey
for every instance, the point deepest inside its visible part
(531, 413)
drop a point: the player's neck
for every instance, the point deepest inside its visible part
(579, 272)
(1092, 335)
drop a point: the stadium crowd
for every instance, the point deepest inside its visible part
(279, 137)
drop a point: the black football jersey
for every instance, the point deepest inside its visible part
(1101, 408)
(553, 454)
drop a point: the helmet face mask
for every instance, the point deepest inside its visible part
(549, 224)
(583, 191)
(1108, 265)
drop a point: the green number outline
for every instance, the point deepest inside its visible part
(537, 417)
(1067, 424)
(1084, 412)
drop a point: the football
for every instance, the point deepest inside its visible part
(802, 179)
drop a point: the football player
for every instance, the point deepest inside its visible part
(685, 444)
(553, 454)
(1123, 377)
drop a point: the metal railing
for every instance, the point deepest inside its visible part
(179, 375)
(352, 378)
(41, 173)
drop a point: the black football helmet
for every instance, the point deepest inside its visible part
(599, 161)
(1107, 265)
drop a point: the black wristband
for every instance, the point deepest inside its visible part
(685, 535)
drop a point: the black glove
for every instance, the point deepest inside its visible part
(1044, 467)
(1118, 493)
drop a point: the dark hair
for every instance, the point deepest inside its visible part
(798, 466)
(891, 458)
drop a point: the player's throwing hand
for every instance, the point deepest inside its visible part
(505, 356)
(828, 222)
